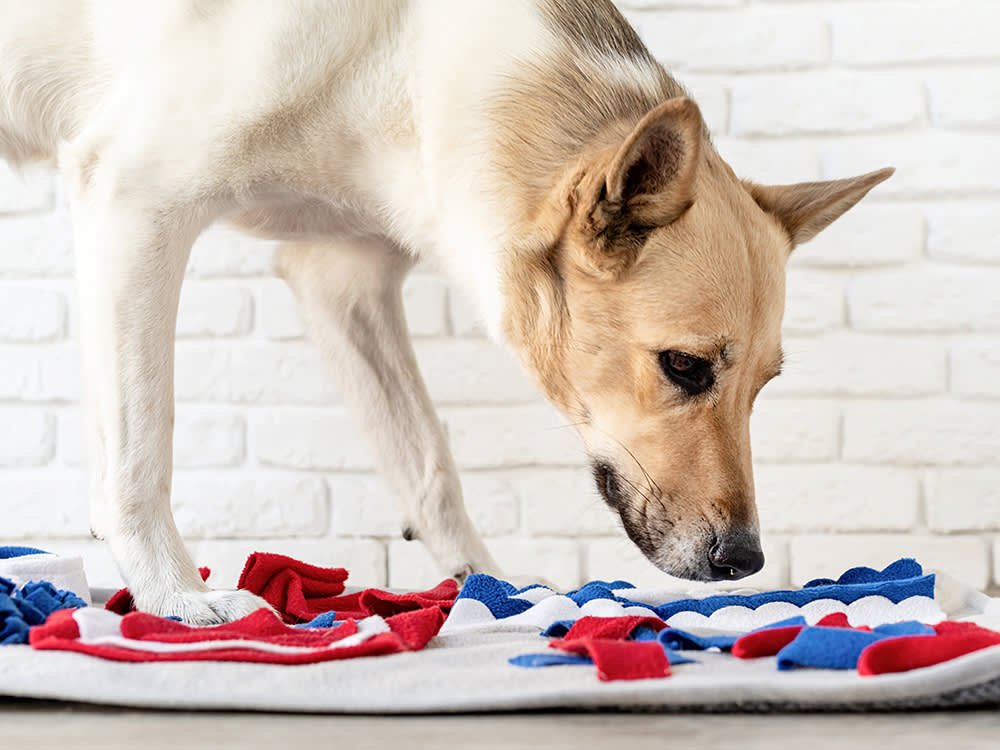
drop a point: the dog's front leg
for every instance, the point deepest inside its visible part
(349, 294)
(131, 252)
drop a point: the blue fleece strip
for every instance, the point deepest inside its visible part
(22, 609)
(7, 553)
(684, 641)
(897, 582)
(846, 591)
(561, 657)
(839, 648)
(325, 620)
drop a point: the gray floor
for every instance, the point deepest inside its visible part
(44, 725)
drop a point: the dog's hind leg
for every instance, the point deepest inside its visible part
(132, 244)
(349, 294)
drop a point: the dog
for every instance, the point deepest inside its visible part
(534, 148)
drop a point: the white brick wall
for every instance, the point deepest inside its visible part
(882, 438)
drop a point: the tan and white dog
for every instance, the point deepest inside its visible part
(534, 148)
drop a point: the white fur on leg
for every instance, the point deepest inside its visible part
(349, 296)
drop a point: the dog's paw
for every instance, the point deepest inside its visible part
(208, 607)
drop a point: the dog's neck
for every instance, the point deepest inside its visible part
(557, 119)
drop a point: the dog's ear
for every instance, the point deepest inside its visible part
(647, 184)
(808, 208)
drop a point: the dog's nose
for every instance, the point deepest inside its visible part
(736, 555)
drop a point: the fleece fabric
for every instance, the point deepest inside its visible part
(258, 637)
(23, 565)
(900, 592)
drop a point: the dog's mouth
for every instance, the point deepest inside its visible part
(608, 484)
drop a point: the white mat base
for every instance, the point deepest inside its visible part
(472, 674)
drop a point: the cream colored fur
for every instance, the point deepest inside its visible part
(366, 133)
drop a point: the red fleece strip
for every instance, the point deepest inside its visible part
(603, 639)
(616, 628)
(376, 602)
(770, 641)
(407, 632)
(297, 590)
(953, 639)
(620, 659)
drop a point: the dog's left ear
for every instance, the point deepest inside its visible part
(808, 208)
(647, 184)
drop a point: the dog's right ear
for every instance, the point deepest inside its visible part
(647, 184)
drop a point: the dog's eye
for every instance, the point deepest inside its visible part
(693, 374)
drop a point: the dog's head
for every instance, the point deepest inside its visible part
(655, 321)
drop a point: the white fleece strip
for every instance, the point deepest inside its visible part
(64, 573)
(470, 614)
(98, 630)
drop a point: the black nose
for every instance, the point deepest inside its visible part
(734, 556)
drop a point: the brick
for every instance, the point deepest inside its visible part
(29, 314)
(774, 162)
(411, 566)
(963, 500)
(756, 39)
(34, 190)
(277, 313)
(466, 320)
(929, 162)
(541, 559)
(937, 433)
(365, 505)
(564, 503)
(39, 373)
(466, 371)
(966, 232)
(851, 364)
(925, 299)
(814, 301)
(59, 373)
(425, 299)
(816, 556)
(36, 246)
(619, 559)
(50, 505)
(712, 94)
(834, 498)
(214, 310)
(364, 559)
(202, 371)
(965, 97)
(208, 439)
(223, 507)
(322, 440)
(493, 503)
(870, 234)
(785, 430)
(975, 368)
(825, 102)
(99, 565)
(483, 438)
(27, 437)
(914, 32)
(280, 373)
(225, 252)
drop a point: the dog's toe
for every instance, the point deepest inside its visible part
(209, 607)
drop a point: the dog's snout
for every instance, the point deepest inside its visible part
(734, 556)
